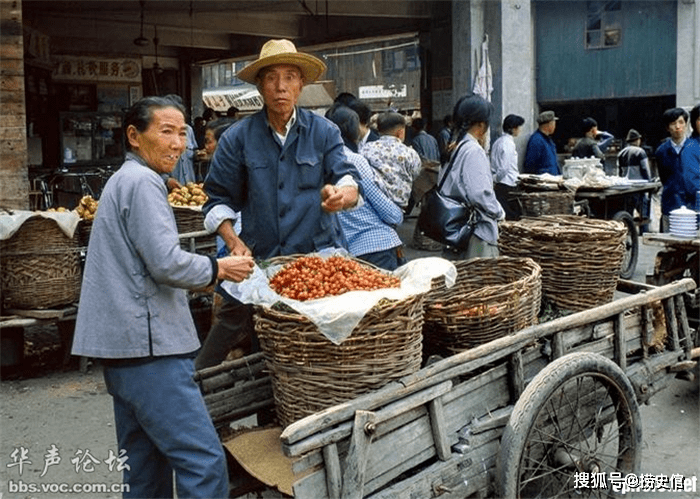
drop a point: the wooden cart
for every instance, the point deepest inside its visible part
(522, 413)
(678, 258)
(621, 203)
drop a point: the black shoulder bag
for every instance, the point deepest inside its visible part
(444, 219)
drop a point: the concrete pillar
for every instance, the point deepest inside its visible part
(688, 54)
(517, 41)
(13, 129)
(467, 34)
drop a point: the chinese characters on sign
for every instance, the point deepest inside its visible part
(97, 69)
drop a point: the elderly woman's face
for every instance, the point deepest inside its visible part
(162, 143)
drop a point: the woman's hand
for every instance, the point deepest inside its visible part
(235, 268)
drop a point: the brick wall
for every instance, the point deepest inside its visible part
(14, 183)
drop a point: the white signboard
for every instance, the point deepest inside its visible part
(383, 92)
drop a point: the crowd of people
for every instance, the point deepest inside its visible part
(280, 182)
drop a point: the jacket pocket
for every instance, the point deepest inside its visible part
(310, 172)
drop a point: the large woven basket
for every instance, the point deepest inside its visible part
(310, 373)
(580, 257)
(491, 298)
(83, 232)
(40, 266)
(538, 203)
(188, 219)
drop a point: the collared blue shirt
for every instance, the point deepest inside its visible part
(276, 187)
(370, 228)
(541, 155)
(680, 174)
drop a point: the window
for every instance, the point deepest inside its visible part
(603, 24)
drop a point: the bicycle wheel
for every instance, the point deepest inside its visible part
(578, 415)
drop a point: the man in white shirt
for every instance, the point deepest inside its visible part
(504, 164)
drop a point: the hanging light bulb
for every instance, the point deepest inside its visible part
(141, 41)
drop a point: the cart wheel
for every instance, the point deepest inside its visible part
(578, 415)
(629, 261)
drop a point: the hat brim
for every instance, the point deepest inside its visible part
(311, 67)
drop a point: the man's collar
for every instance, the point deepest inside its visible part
(677, 145)
(292, 120)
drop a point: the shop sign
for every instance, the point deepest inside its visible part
(97, 69)
(383, 91)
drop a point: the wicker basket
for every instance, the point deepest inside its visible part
(310, 373)
(535, 204)
(40, 266)
(188, 219)
(83, 232)
(580, 257)
(491, 298)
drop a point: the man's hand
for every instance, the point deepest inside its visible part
(172, 183)
(234, 243)
(334, 198)
(235, 268)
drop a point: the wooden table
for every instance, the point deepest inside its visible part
(14, 324)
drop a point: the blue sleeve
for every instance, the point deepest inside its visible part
(532, 156)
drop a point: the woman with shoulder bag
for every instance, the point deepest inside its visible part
(470, 180)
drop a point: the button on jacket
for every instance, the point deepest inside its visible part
(277, 187)
(133, 301)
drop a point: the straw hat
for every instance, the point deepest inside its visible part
(283, 52)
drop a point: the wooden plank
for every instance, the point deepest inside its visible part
(558, 345)
(685, 334)
(332, 468)
(44, 314)
(516, 376)
(437, 424)
(227, 366)
(356, 462)
(234, 376)
(620, 342)
(382, 415)
(672, 322)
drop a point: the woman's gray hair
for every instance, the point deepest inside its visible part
(140, 114)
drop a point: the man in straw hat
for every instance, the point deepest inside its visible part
(285, 170)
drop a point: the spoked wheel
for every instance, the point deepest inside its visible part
(629, 260)
(578, 415)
